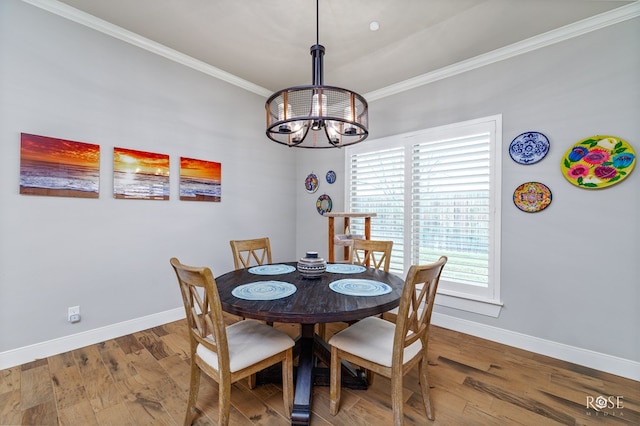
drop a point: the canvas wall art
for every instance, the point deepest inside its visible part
(200, 180)
(140, 175)
(58, 167)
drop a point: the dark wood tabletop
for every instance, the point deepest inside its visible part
(313, 302)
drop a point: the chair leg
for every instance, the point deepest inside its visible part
(424, 387)
(334, 382)
(194, 387)
(224, 402)
(287, 382)
(370, 375)
(397, 402)
(251, 381)
(322, 331)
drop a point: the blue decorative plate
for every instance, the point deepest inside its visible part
(356, 287)
(331, 176)
(345, 268)
(272, 269)
(264, 290)
(529, 148)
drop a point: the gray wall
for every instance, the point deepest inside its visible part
(109, 256)
(570, 274)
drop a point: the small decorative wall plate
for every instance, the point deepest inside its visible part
(598, 161)
(311, 183)
(529, 147)
(532, 197)
(324, 204)
(331, 176)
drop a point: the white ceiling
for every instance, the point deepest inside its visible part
(266, 42)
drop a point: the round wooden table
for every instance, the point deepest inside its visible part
(312, 303)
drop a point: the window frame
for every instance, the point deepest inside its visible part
(485, 301)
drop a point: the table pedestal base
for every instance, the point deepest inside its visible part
(310, 349)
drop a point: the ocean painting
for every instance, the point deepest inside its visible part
(200, 180)
(58, 167)
(140, 175)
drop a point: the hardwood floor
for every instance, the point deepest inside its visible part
(143, 379)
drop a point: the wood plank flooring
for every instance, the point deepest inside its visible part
(143, 379)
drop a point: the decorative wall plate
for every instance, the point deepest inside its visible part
(331, 176)
(345, 268)
(529, 147)
(271, 269)
(357, 287)
(311, 183)
(264, 290)
(598, 161)
(324, 204)
(532, 197)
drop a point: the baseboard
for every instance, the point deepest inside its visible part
(598, 361)
(41, 350)
(607, 363)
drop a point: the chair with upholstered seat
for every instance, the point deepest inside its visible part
(391, 349)
(374, 253)
(246, 253)
(227, 353)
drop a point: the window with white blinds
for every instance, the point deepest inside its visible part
(435, 192)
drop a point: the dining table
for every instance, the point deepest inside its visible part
(279, 292)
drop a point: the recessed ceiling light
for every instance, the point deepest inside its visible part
(374, 26)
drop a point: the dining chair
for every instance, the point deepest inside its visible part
(389, 349)
(246, 253)
(227, 353)
(374, 253)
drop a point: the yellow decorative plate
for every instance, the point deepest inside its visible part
(598, 161)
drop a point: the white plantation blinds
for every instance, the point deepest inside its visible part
(377, 185)
(435, 192)
(450, 206)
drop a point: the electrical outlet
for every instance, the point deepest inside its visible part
(73, 314)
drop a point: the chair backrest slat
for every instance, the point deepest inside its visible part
(244, 251)
(204, 312)
(374, 253)
(416, 305)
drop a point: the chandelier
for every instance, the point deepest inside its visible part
(338, 117)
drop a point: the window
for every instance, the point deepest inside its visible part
(436, 192)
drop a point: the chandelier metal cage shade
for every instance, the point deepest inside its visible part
(337, 117)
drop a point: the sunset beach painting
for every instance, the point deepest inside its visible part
(58, 167)
(200, 180)
(140, 175)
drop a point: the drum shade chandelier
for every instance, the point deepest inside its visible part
(338, 117)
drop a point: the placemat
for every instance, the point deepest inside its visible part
(264, 290)
(359, 287)
(345, 268)
(272, 269)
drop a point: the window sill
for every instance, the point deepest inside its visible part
(480, 306)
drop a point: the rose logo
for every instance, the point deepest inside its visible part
(601, 402)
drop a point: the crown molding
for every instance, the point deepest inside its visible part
(90, 21)
(576, 29)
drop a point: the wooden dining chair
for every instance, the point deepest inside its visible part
(374, 253)
(391, 349)
(246, 253)
(227, 353)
